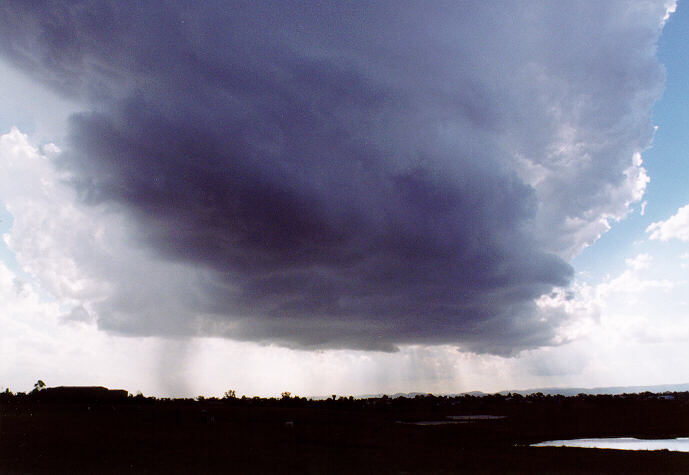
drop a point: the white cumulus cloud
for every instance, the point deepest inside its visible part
(642, 261)
(675, 227)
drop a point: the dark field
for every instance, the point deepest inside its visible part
(136, 434)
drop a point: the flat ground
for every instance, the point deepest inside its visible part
(336, 436)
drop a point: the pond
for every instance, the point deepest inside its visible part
(680, 444)
(455, 420)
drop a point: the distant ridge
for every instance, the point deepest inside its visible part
(658, 388)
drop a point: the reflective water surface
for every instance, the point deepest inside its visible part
(680, 444)
(455, 420)
(475, 417)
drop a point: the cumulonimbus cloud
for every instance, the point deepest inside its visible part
(353, 175)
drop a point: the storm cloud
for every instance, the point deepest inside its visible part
(347, 174)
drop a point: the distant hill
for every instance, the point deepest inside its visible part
(659, 388)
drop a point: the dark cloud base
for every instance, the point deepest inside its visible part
(340, 170)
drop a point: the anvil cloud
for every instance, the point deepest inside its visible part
(345, 174)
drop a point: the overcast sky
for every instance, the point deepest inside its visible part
(343, 197)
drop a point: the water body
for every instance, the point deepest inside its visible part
(432, 423)
(680, 444)
(475, 417)
(455, 420)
